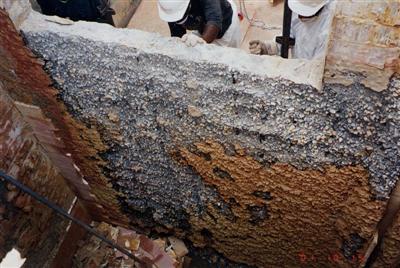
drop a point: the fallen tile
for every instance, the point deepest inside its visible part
(178, 246)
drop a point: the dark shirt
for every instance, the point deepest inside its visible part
(90, 10)
(203, 12)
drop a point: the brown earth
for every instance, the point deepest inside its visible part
(279, 213)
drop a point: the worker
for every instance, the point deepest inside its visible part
(89, 10)
(310, 28)
(211, 21)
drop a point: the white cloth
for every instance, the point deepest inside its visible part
(232, 36)
(312, 36)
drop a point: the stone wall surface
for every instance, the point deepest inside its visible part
(26, 137)
(17, 10)
(24, 80)
(235, 152)
(35, 147)
(248, 155)
(26, 225)
(365, 48)
(365, 43)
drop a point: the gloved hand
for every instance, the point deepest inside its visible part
(260, 48)
(192, 40)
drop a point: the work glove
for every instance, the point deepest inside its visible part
(192, 40)
(263, 48)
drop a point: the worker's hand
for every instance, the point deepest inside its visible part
(192, 40)
(257, 47)
(263, 48)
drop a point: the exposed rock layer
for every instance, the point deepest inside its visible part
(227, 152)
(223, 155)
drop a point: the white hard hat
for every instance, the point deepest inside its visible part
(172, 10)
(306, 8)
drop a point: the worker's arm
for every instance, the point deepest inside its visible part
(258, 47)
(213, 18)
(176, 30)
(210, 33)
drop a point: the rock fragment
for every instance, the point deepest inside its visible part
(194, 111)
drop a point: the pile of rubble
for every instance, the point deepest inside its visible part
(159, 252)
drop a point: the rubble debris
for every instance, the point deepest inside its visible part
(158, 252)
(194, 111)
(178, 246)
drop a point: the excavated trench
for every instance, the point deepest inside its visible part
(249, 159)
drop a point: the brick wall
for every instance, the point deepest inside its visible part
(32, 228)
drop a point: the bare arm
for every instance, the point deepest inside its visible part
(210, 33)
(213, 19)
